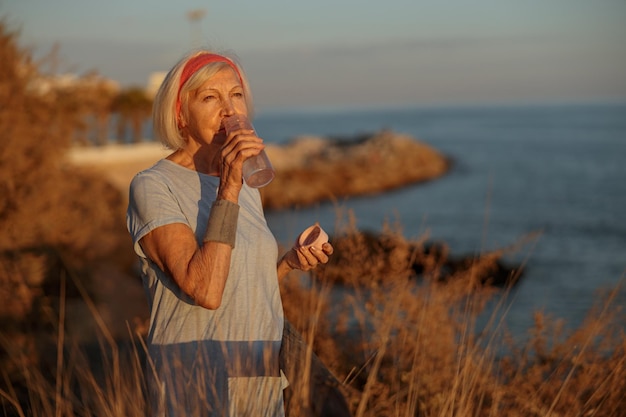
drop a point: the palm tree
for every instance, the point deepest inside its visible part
(104, 94)
(132, 105)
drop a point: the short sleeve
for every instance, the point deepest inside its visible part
(151, 204)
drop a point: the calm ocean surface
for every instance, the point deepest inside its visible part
(555, 169)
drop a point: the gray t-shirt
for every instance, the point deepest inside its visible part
(221, 362)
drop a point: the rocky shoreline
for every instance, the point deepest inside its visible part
(315, 169)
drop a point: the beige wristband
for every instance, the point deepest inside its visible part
(222, 224)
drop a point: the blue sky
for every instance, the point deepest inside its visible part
(351, 52)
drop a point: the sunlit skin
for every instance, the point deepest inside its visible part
(202, 271)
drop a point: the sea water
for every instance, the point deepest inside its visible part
(557, 172)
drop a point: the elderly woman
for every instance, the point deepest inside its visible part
(209, 262)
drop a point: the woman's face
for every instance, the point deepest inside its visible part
(220, 96)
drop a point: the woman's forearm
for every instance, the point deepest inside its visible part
(207, 273)
(282, 268)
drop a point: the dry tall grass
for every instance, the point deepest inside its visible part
(404, 345)
(52, 216)
(410, 345)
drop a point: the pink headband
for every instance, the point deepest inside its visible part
(197, 62)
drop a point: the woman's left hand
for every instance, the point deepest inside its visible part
(307, 258)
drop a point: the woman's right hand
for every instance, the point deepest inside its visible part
(240, 145)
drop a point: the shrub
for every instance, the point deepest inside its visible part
(52, 216)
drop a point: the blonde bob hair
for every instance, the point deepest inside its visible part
(164, 117)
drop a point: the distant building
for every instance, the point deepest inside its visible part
(45, 84)
(154, 82)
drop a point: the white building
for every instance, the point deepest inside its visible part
(154, 82)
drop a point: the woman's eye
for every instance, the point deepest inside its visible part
(209, 98)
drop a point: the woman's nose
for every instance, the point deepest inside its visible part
(227, 108)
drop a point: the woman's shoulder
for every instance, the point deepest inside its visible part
(168, 176)
(158, 173)
(161, 169)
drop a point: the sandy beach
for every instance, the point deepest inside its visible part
(118, 162)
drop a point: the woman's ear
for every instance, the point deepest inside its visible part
(182, 123)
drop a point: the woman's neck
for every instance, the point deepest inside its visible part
(203, 160)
